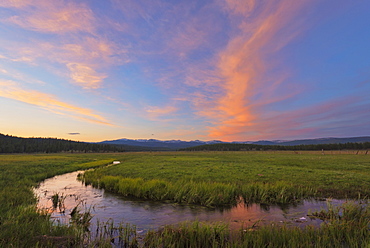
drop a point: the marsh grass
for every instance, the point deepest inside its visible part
(108, 234)
(277, 193)
(58, 202)
(81, 218)
(350, 211)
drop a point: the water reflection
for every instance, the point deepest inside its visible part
(152, 215)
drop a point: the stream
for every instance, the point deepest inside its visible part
(150, 215)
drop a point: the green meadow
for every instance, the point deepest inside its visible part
(211, 179)
(223, 178)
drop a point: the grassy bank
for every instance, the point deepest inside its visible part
(222, 178)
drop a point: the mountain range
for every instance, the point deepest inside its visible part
(179, 144)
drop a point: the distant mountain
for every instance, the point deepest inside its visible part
(315, 141)
(179, 144)
(159, 144)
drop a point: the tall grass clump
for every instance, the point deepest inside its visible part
(205, 193)
(275, 193)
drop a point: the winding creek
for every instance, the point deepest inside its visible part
(147, 215)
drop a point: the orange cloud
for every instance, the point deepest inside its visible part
(85, 76)
(48, 102)
(243, 64)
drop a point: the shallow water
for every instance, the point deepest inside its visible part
(147, 215)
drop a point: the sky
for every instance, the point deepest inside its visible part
(230, 70)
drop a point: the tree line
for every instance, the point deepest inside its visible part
(254, 147)
(12, 144)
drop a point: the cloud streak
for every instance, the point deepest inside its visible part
(243, 63)
(49, 102)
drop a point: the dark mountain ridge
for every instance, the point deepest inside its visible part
(179, 144)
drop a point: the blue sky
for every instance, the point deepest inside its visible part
(229, 70)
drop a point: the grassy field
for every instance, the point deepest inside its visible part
(221, 178)
(206, 178)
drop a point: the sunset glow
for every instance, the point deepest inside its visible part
(231, 70)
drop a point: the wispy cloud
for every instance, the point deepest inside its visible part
(243, 64)
(156, 113)
(85, 76)
(48, 102)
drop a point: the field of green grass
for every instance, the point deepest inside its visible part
(204, 178)
(221, 178)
